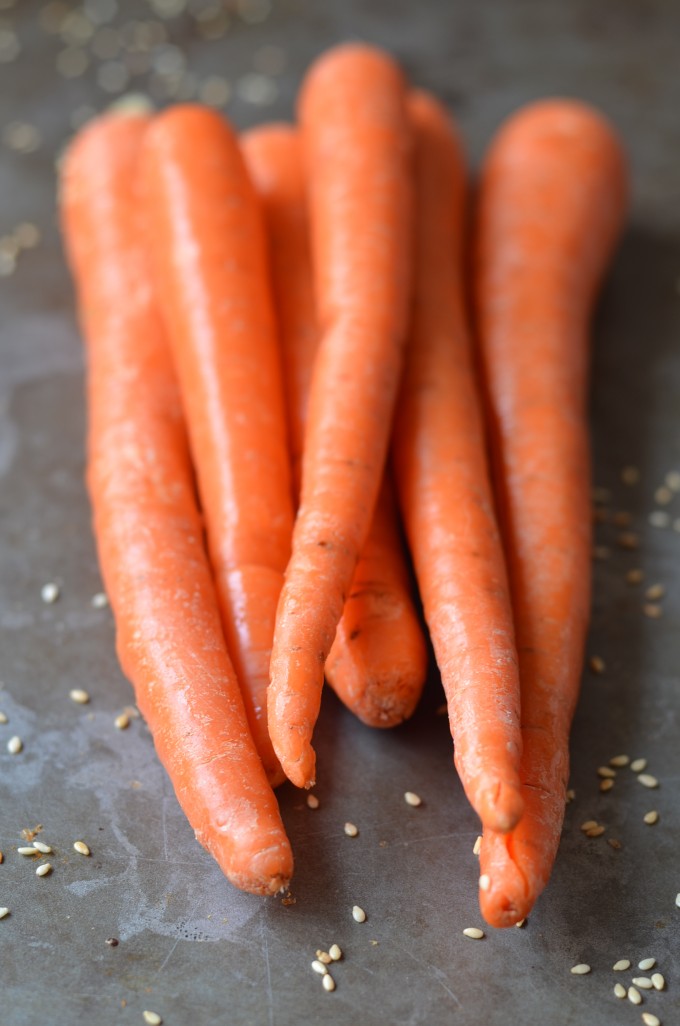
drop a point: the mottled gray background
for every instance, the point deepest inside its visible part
(191, 947)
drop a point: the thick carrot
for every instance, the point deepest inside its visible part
(356, 139)
(208, 250)
(551, 203)
(378, 661)
(147, 525)
(445, 488)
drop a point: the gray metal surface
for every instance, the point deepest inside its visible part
(191, 947)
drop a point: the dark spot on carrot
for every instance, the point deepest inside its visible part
(355, 634)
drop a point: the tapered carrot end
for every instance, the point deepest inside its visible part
(263, 871)
(505, 901)
(302, 770)
(499, 805)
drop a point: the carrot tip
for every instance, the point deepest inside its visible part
(301, 771)
(500, 806)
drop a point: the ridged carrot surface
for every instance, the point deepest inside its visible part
(445, 487)
(356, 141)
(148, 529)
(207, 242)
(551, 204)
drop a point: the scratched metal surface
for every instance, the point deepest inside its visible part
(191, 947)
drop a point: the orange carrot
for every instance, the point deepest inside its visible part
(207, 244)
(378, 661)
(551, 204)
(445, 488)
(356, 140)
(147, 525)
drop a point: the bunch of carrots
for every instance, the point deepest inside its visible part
(280, 356)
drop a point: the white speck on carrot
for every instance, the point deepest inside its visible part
(484, 882)
(477, 845)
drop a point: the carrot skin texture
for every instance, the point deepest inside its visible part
(445, 488)
(378, 660)
(352, 107)
(551, 205)
(147, 525)
(208, 249)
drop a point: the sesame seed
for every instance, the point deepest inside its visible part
(673, 480)
(652, 610)
(650, 1020)
(152, 1018)
(484, 882)
(312, 801)
(412, 799)
(595, 831)
(21, 137)
(655, 591)
(79, 696)
(324, 957)
(3, 717)
(335, 952)
(628, 540)
(319, 967)
(606, 785)
(634, 576)
(32, 850)
(328, 983)
(677, 900)
(589, 824)
(477, 845)
(351, 830)
(630, 475)
(647, 780)
(634, 996)
(663, 495)
(581, 969)
(100, 600)
(520, 923)
(215, 91)
(43, 848)
(601, 552)
(4, 912)
(619, 760)
(81, 847)
(597, 664)
(2, 858)
(15, 745)
(601, 495)
(122, 722)
(637, 765)
(570, 795)
(614, 843)
(621, 965)
(606, 771)
(358, 914)
(643, 982)
(44, 869)
(659, 518)
(473, 932)
(646, 964)
(257, 89)
(619, 990)
(658, 981)
(49, 592)
(26, 235)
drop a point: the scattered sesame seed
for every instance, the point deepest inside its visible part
(589, 824)
(581, 969)
(638, 765)
(650, 818)
(2, 858)
(619, 990)
(606, 771)
(663, 495)
(634, 996)
(601, 495)
(32, 850)
(630, 475)
(328, 983)
(634, 576)
(4, 912)
(81, 847)
(659, 518)
(520, 923)
(79, 696)
(15, 745)
(622, 518)
(412, 799)
(473, 932)
(601, 552)
(100, 600)
(43, 848)
(351, 830)
(646, 964)
(358, 914)
(650, 1020)
(647, 780)
(596, 831)
(619, 760)
(122, 722)
(152, 1018)
(335, 952)
(677, 900)
(72, 62)
(597, 664)
(477, 846)
(257, 89)
(606, 785)
(653, 610)
(26, 235)
(658, 981)
(628, 540)
(643, 982)
(673, 480)
(112, 942)
(319, 967)
(215, 91)
(324, 957)
(312, 801)
(44, 869)
(4, 718)
(49, 592)
(614, 843)
(570, 795)
(655, 591)
(21, 137)
(484, 882)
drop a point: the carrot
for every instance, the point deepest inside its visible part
(207, 243)
(551, 204)
(378, 661)
(445, 488)
(356, 141)
(147, 525)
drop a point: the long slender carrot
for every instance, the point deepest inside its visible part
(445, 488)
(147, 525)
(378, 661)
(207, 244)
(356, 139)
(551, 204)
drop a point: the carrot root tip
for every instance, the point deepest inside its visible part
(500, 806)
